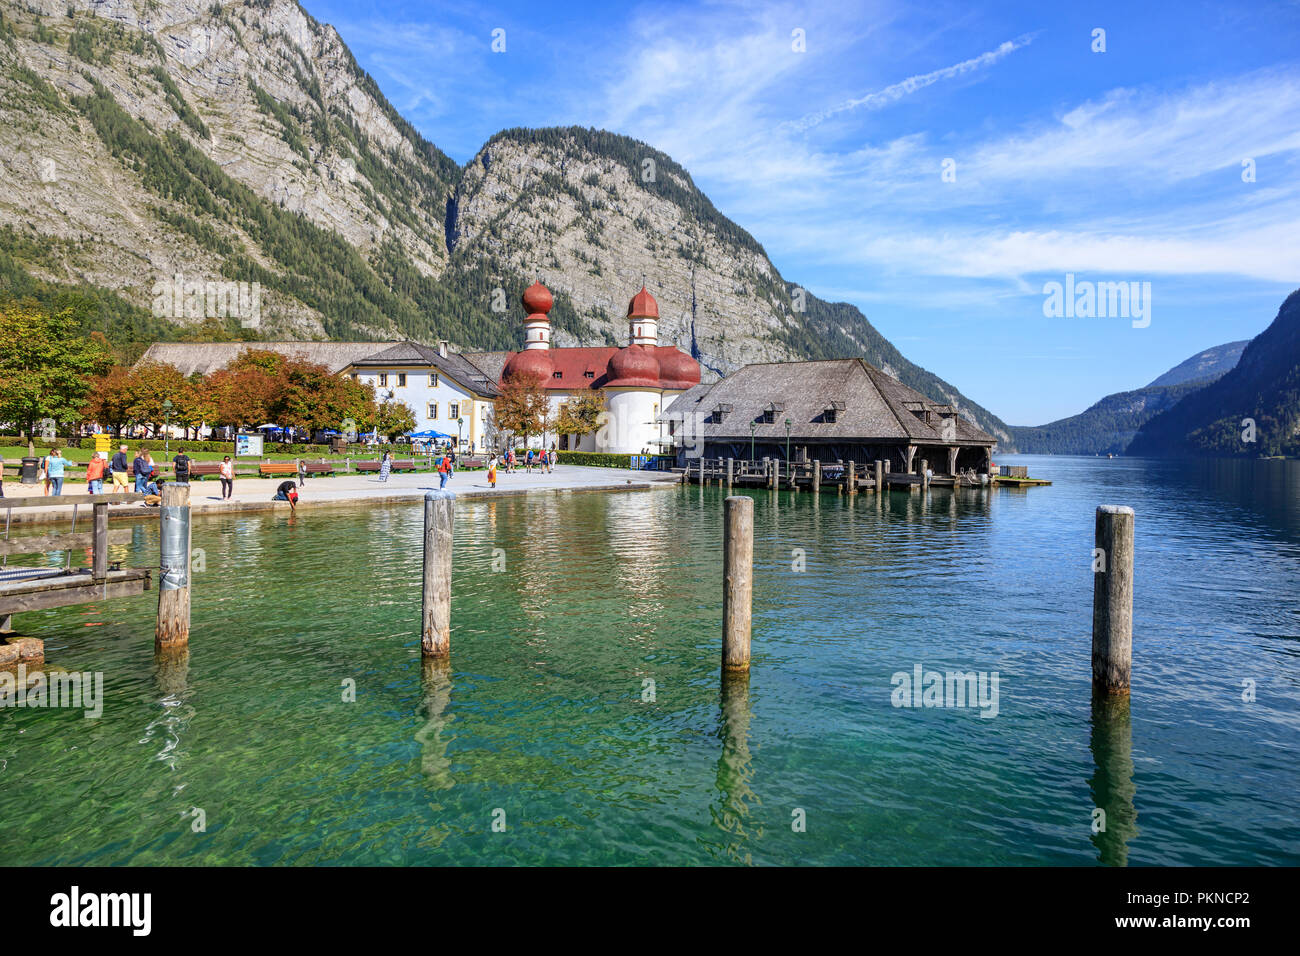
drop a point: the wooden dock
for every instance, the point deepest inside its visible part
(834, 477)
(38, 588)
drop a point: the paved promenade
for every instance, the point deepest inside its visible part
(254, 494)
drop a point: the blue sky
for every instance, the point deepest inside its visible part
(1123, 165)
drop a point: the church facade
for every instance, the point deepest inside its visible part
(638, 380)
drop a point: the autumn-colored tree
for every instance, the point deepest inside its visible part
(580, 415)
(152, 385)
(392, 418)
(523, 407)
(242, 396)
(47, 367)
(312, 397)
(109, 401)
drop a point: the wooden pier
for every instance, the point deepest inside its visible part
(823, 477)
(38, 588)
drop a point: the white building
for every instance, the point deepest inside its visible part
(447, 393)
(638, 380)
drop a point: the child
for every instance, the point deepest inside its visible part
(492, 472)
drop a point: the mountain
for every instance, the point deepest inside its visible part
(1111, 424)
(1264, 387)
(141, 139)
(1204, 367)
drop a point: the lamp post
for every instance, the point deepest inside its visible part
(460, 428)
(752, 426)
(167, 427)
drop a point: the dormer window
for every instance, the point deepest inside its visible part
(720, 412)
(588, 374)
(557, 375)
(831, 414)
(770, 413)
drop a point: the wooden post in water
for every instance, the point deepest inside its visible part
(731, 469)
(435, 636)
(925, 476)
(173, 627)
(99, 553)
(880, 476)
(817, 476)
(840, 485)
(851, 476)
(737, 581)
(1112, 600)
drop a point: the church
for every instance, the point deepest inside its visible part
(639, 380)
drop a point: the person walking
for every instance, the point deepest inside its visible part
(492, 472)
(528, 462)
(444, 471)
(227, 475)
(95, 475)
(119, 469)
(385, 466)
(140, 468)
(181, 464)
(54, 466)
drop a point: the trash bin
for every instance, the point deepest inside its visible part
(31, 466)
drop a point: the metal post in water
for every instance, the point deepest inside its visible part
(1112, 600)
(435, 637)
(173, 627)
(737, 581)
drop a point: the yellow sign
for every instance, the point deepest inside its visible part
(103, 442)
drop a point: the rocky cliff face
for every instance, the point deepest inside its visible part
(240, 141)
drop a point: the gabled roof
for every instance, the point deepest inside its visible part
(414, 355)
(204, 357)
(876, 406)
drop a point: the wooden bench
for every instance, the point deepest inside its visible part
(199, 469)
(317, 468)
(471, 463)
(277, 468)
(405, 465)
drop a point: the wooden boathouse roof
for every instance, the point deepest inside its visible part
(831, 400)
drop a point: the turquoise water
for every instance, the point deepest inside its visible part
(542, 722)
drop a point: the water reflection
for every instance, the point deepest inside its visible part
(171, 680)
(732, 808)
(1112, 784)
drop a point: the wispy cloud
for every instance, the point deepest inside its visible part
(896, 91)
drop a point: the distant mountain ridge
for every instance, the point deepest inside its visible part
(1109, 426)
(1203, 367)
(1252, 410)
(241, 141)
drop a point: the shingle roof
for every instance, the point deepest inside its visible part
(573, 363)
(454, 365)
(205, 357)
(876, 406)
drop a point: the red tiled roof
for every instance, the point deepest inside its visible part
(573, 363)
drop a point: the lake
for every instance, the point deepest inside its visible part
(583, 720)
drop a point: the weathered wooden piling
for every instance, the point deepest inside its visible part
(737, 581)
(880, 476)
(99, 552)
(840, 485)
(435, 637)
(731, 469)
(925, 475)
(1112, 600)
(817, 475)
(173, 626)
(851, 476)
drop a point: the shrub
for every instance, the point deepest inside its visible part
(595, 459)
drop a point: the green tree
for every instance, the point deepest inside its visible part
(580, 415)
(46, 367)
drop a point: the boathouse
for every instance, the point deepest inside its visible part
(834, 410)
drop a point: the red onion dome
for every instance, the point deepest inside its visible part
(531, 362)
(537, 298)
(677, 369)
(633, 365)
(643, 306)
